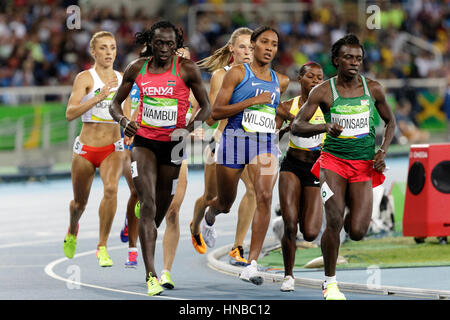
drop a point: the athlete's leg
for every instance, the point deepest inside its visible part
(311, 213)
(289, 188)
(246, 210)
(132, 220)
(202, 202)
(172, 233)
(110, 173)
(334, 211)
(360, 198)
(263, 170)
(83, 173)
(226, 192)
(145, 179)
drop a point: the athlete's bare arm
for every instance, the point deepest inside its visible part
(190, 73)
(214, 87)
(129, 76)
(221, 109)
(388, 117)
(319, 96)
(81, 86)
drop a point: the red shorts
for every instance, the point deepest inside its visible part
(96, 155)
(352, 170)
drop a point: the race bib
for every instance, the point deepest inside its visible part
(311, 143)
(159, 112)
(353, 119)
(259, 118)
(100, 112)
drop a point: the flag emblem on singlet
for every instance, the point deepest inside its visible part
(171, 83)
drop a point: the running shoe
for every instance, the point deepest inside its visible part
(209, 234)
(124, 232)
(237, 257)
(197, 241)
(166, 280)
(288, 284)
(103, 257)
(137, 210)
(132, 259)
(70, 244)
(332, 292)
(153, 286)
(251, 274)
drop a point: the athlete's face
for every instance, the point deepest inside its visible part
(164, 44)
(242, 49)
(349, 59)
(104, 51)
(311, 78)
(266, 47)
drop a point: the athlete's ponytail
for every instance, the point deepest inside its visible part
(221, 57)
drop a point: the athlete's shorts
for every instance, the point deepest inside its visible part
(163, 150)
(236, 151)
(96, 155)
(301, 169)
(351, 170)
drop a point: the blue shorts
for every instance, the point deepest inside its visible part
(238, 148)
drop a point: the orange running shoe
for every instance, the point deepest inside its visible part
(197, 241)
(237, 256)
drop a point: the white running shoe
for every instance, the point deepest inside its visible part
(209, 234)
(251, 274)
(288, 284)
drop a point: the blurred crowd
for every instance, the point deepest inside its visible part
(37, 48)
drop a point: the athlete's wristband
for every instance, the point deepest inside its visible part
(120, 122)
(382, 150)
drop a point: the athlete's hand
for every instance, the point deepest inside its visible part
(106, 90)
(128, 140)
(378, 161)
(333, 129)
(263, 98)
(129, 127)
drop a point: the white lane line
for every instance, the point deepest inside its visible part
(49, 271)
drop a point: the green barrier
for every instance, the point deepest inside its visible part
(398, 191)
(34, 117)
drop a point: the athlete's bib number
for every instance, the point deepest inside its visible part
(355, 124)
(159, 112)
(311, 143)
(259, 118)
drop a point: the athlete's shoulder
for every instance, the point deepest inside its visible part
(375, 87)
(84, 77)
(283, 80)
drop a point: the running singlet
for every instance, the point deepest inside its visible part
(100, 112)
(164, 102)
(258, 118)
(356, 116)
(312, 143)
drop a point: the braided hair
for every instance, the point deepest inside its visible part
(349, 39)
(147, 36)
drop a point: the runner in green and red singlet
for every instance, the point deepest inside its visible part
(348, 164)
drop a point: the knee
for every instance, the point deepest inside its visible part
(264, 197)
(290, 229)
(172, 217)
(110, 190)
(357, 234)
(310, 235)
(334, 222)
